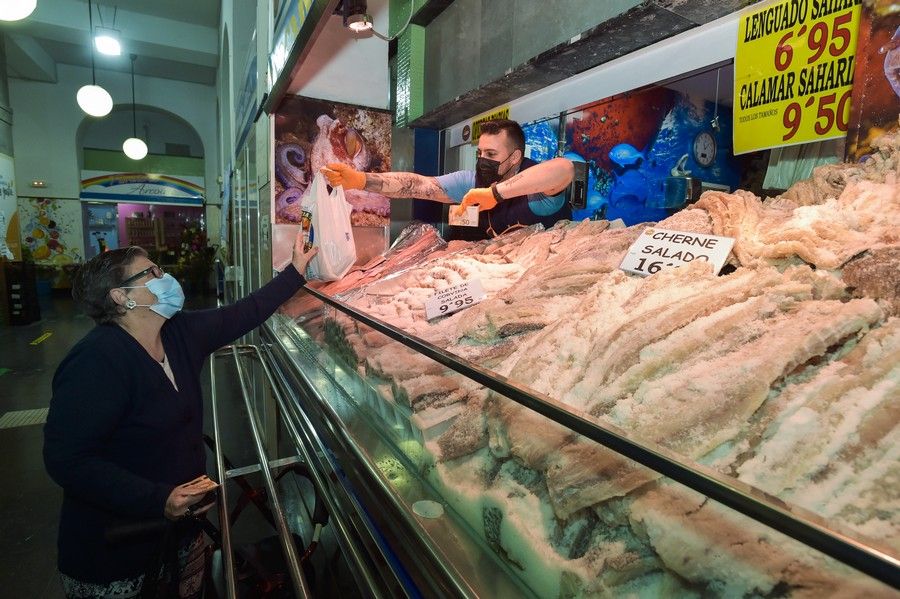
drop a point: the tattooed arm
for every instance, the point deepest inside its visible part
(549, 177)
(406, 185)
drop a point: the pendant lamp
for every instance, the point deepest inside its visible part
(134, 147)
(93, 99)
(107, 39)
(16, 10)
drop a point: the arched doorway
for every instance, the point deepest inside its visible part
(157, 202)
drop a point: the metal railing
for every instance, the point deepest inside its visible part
(264, 465)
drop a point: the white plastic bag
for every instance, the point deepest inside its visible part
(331, 232)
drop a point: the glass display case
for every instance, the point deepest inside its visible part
(461, 482)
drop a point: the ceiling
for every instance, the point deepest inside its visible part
(173, 39)
(198, 12)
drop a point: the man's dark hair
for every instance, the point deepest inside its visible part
(512, 128)
(97, 276)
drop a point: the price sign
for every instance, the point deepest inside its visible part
(467, 218)
(793, 73)
(453, 299)
(658, 249)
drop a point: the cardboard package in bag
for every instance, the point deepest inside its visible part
(329, 230)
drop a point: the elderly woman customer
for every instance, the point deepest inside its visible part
(124, 435)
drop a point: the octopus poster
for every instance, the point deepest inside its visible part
(875, 104)
(311, 133)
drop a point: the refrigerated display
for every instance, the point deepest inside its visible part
(588, 432)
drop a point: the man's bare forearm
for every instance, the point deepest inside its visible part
(406, 185)
(549, 177)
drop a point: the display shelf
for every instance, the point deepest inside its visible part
(374, 408)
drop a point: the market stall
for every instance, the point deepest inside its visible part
(689, 390)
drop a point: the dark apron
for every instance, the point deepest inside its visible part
(510, 214)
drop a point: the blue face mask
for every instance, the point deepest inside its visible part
(169, 296)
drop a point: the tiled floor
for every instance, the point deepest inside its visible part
(29, 500)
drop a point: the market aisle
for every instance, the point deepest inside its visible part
(29, 500)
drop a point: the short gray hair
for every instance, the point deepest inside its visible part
(95, 279)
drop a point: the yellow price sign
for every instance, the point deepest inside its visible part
(502, 113)
(793, 73)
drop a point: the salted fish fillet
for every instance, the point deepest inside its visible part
(468, 432)
(704, 403)
(697, 408)
(616, 352)
(835, 446)
(827, 235)
(552, 359)
(428, 390)
(722, 328)
(797, 444)
(574, 265)
(689, 220)
(730, 555)
(514, 430)
(876, 274)
(399, 363)
(562, 363)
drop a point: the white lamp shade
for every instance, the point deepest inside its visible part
(107, 44)
(16, 10)
(134, 148)
(94, 100)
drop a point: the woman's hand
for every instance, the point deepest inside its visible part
(188, 494)
(301, 258)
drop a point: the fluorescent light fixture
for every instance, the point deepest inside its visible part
(16, 10)
(106, 41)
(134, 148)
(94, 100)
(359, 23)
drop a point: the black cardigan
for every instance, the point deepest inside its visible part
(119, 437)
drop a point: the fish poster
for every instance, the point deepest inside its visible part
(311, 133)
(636, 144)
(875, 104)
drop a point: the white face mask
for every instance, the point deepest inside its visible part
(169, 296)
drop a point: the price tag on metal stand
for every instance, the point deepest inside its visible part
(469, 218)
(658, 249)
(453, 299)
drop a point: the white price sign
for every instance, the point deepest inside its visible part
(658, 249)
(469, 218)
(453, 299)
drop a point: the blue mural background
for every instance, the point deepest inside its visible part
(631, 144)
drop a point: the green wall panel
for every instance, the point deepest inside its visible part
(115, 161)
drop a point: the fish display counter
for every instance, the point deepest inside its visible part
(580, 431)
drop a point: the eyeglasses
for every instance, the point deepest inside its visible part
(156, 271)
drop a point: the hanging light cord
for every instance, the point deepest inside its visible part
(100, 14)
(133, 107)
(412, 7)
(91, 41)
